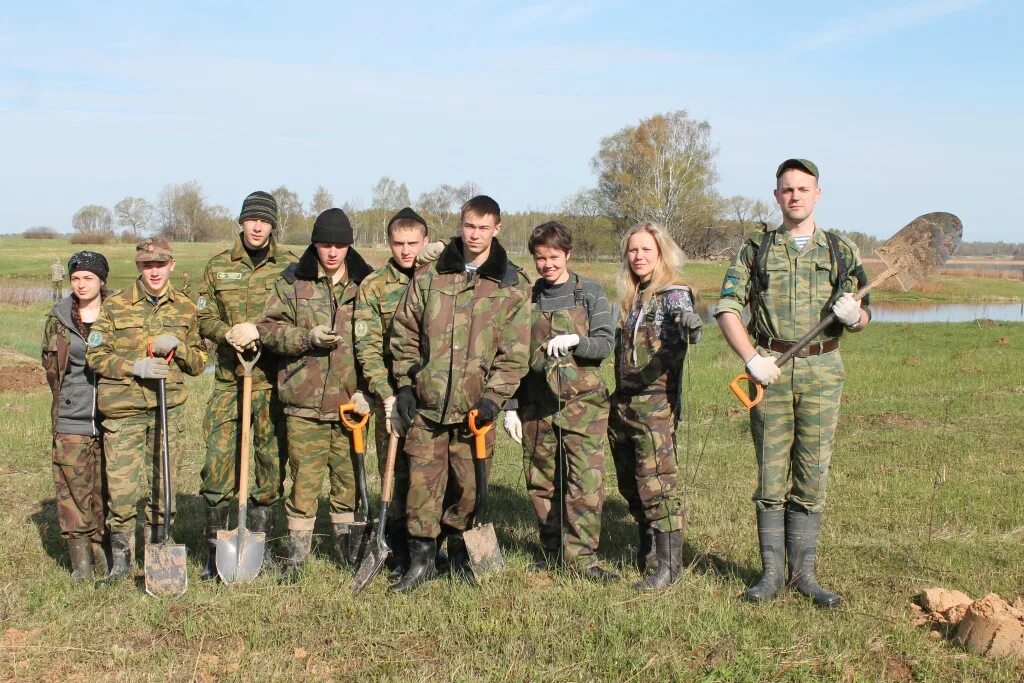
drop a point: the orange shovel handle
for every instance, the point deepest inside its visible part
(358, 432)
(149, 351)
(737, 388)
(480, 434)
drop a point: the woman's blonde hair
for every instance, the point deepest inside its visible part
(667, 271)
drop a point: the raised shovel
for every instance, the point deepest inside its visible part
(165, 562)
(920, 248)
(240, 552)
(378, 548)
(360, 529)
(481, 542)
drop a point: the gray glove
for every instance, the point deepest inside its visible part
(242, 336)
(430, 252)
(163, 344)
(151, 368)
(323, 337)
(693, 327)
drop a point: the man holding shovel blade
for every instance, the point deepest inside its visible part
(460, 339)
(792, 277)
(235, 288)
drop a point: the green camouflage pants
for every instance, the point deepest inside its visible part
(222, 426)
(396, 510)
(131, 446)
(573, 478)
(316, 449)
(442, 481)
(793, 428)
(78, 481)
(641, 433)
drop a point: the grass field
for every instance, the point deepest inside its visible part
(926, 490)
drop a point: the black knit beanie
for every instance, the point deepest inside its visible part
(260, 206)
(408, 214)
(90, 261)
(332, 227)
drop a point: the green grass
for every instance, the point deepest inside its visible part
(926, 490)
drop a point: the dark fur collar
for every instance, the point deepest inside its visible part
(497, 267)
(308, 266)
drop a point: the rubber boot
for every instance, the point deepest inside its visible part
(669, 548)
(422, 552)
(100, 555)
(442, 563)
(340, 534)
(458, 556)
(802, 531)
(771, 536)
(216, 519)
(121, 559)
(260, 518)
(646, 558)
(398, 540)
(300, 542)
(80, 550)
(156, 534)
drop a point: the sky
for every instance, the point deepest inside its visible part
(906, 107)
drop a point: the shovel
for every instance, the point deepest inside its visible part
(481, 542)
(165, 562)
(240, 552)
(917, 250)
(358, 531)
(379, 550)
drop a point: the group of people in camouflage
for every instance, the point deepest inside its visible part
(441, 331)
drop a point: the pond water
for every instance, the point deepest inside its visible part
(927, 313)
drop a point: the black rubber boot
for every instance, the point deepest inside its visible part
(299, 545)
(442, 563)
(398, 540)
(421, 565)
(260, 518)
(80, 550)
(802, 531)
(771, 536)
(646, 558)
(339, 534)
(458, 556)
(216, 519)
(669, 547)
(121, 563)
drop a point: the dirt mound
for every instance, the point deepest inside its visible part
(990, 627)
(20, 373)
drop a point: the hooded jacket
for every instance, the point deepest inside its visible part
(72, 382)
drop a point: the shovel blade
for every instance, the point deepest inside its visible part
(370, 567)
(921, 247)
(358, 541)
(165, 570)
(484, 552)
(239, 558)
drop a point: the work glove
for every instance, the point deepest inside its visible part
(763, 369)
(560, 344)
(486, 411)
(405, 408)
(389, 412)
(514, 426)
(360, 402)
(323, 337)
(150, 368)
(430, 252)
(692, 328)
(163, 344)
(847, 310)
(242, 336)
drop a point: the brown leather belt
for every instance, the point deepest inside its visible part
(812, 349)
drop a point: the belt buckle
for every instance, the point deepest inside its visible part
(806, 351)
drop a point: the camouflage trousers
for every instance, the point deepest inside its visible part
(79, 483)
(641, 433)
(442, 480)
(564, 465)
(316, 449)
(222, 426)
(793, 429)
(131, 447)
(396, 510)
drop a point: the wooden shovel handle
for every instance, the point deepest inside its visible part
(480, 442)
(388, 485)
(358, 432)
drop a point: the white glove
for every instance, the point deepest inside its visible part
(360, 402)
(150, 368)
(163, 344)
(847, 310)
(514, 426)
(559, 346)
(430, 252)
(242, 336)
(389, 412)
(323, 337)
(763, 369)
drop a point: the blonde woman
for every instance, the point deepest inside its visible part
(657, 323)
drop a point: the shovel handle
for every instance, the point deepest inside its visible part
(737, 388)
(357, 428)
(149, 351)
(480, 442)
(248, 365)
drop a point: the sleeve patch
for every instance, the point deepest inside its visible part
(361, 329)
(729, 286)
(95, 339)
(201, 303)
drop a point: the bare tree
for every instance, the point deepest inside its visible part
(183, 212)
(93, 220)
(321, 201)
(441, 205)
(289, 212)
(389, 195)
(135, 215)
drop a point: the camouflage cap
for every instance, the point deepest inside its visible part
(153, 250)
(801, 164)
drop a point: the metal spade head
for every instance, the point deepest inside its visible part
(484, 552)
(374, 560)
(239, 554)
(358, 539)
(165, 569)
(921, 247)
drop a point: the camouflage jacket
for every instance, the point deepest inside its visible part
(458, 337)
(128, 321)
(312, 382)
(799, 284)
(378, 299)
(233, 292)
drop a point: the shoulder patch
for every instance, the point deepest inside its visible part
(729, 285)
(361, 329)
(95, 339)
(225, 275)
(201, 302)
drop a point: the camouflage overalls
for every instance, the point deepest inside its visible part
(563, 405)
(128, 321)
(234, 291)
(650, 347)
